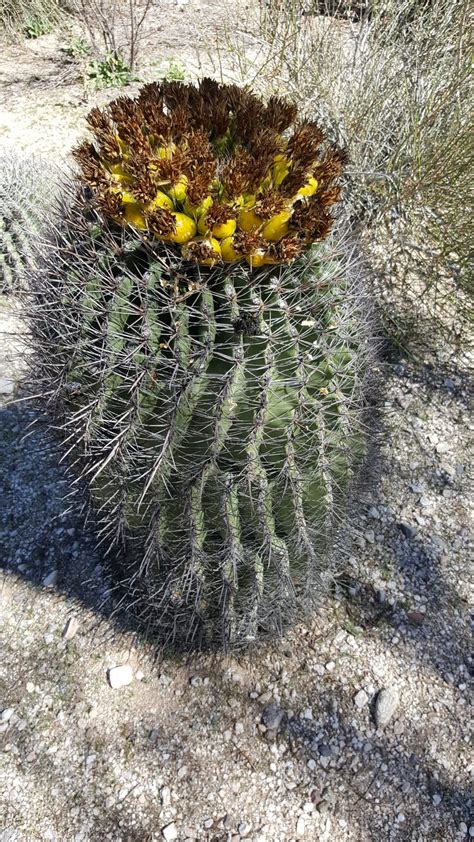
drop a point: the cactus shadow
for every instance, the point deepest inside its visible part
(375, 770)
(47, 535)
(411, 554)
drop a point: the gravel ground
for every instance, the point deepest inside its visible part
(294, 740)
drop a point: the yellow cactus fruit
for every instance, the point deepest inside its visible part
(134, 215)
(165, 151)
(122, 146)
(127, 198)
(197, 210)
(260, 258)
(249, 221)
(308, 189)
(118, 174)
(281, 168)
(256, 259)
(185, 229)
(228, 252)
(161, 200)
(177, 191)
(277, 226)
(219, 230)
(197, 248)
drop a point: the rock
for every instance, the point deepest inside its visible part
(165, 795)
(7, 714)
(169, 832)
(239, 728)
(437, 799)
(324, 750)
(416, 618)
(385, 706)
(51, 579)
(361, 699)
(406, 530)
(70, 629)
(244, 828)
(182, 772)
(195, 681)
(6, 386)
(120, 676)
(300, 827)
(272, 717)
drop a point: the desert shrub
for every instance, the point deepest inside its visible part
(114, 28)
(201, 338)
(396, 88)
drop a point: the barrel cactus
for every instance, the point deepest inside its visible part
(26, 190)
(213, 406)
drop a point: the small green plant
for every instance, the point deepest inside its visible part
(37, 26)
(174, 72)
(112, 71)
(78, 49)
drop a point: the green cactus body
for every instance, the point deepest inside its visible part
(217, 420)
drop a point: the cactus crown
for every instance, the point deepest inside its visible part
(214, 169)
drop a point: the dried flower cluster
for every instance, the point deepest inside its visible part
(213, 169)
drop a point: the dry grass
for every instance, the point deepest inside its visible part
(30, 18)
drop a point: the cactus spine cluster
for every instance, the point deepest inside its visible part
(26, 187)
(215, 412)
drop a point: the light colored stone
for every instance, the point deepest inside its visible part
(361, 699)
(120, 676)
(70, 629)
(169, 832)
(7, 714)
(300, 827)
(51, 580)
(165, 795)
(386, 704)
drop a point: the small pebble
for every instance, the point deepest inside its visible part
(416, 618)
(385, 706)
(165, 795)
(361, 699)
(169, 832)
(300, 826)
(272, 716)
(51, 580)
(70, 629)
(120, 676)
